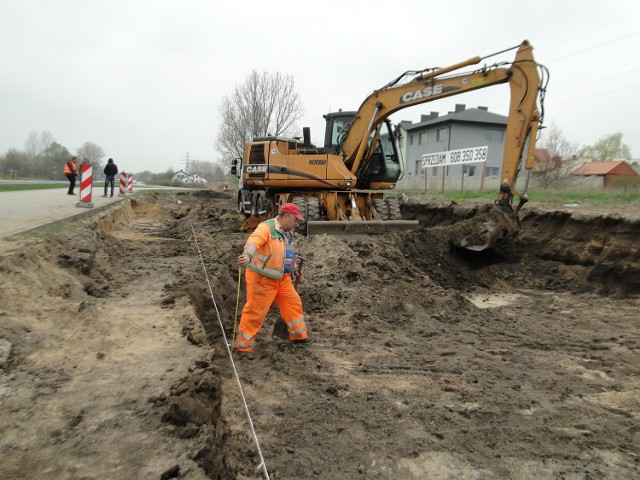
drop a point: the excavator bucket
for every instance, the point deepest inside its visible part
(485, 230)
(372, 227)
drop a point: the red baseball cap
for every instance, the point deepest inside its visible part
(292, 208)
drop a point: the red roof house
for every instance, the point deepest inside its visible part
(543, 161)
(613, 172)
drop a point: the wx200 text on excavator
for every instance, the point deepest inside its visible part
(339, 186)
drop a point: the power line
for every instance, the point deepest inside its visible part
(596, 94)
(602, 44)
(566, 39)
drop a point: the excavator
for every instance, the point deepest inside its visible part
(340, 186)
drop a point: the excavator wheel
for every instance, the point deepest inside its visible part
(313, 209)
(394, 209)
(302, 205)
(382, 207)
(271, 208)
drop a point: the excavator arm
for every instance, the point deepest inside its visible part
(427, 86)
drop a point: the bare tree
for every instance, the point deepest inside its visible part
(54, 158)
(266, 103)
(557, 173)
(14, 164)
(34, 147)
(609, 147)
(94, 153)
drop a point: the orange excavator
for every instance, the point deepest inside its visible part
(340, 186)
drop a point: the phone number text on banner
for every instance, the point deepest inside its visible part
(455, 157)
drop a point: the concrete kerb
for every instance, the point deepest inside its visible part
(78, 217)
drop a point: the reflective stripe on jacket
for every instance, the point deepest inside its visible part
(266, 249)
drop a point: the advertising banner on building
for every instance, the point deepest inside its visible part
(455, 157)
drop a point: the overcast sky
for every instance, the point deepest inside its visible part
(144, 79)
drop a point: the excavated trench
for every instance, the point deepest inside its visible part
(429, 361)
(410, 305)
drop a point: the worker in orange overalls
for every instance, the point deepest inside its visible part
(270, 260)
(71, 172)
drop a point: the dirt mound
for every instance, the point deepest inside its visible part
(429, 362)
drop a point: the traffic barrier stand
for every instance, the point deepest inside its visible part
(86, 186)
(129, 183)
(123, 185)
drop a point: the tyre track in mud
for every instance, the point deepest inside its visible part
(428, 363)
(411, 379)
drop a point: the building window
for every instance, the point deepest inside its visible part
(470, 170)
(492, 171)
(442, 135)
(423, 138)
(418, 166)
(411, 139)
(493, 135)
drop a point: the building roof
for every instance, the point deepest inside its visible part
(606, 168)
(462, 114)
(543, 161)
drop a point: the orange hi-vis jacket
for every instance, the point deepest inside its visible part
(266, 248)
(267, 282)
(70, 167)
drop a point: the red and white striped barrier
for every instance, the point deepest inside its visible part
(123, 185)
(130, 184)
(86, 186)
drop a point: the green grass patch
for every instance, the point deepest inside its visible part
(45, 230)
(546, 197)
(16, 187)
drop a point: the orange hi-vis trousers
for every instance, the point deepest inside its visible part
(261, 293)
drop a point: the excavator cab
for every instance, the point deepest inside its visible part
(383, 164)
(337, 127)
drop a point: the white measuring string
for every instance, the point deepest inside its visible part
(262, 467)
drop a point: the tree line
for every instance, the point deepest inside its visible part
(267, 104)
(564, 156)
(44, 158)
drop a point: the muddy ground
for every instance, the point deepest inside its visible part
(429, 362)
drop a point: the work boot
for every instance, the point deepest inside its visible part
(244, 355)
(280, 330)
(304, 341)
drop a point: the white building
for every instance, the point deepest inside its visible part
(184, 177)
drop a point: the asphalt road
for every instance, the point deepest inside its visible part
(23, 210)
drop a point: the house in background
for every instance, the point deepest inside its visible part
(184, 177)
(612, 173)
(462, 128)
(544, 161)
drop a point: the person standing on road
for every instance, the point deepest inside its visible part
(110, 171)
(270, 260)
(71, 172)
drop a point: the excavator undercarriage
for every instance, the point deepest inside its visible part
(335, 212)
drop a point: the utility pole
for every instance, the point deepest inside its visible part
(187, 162)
